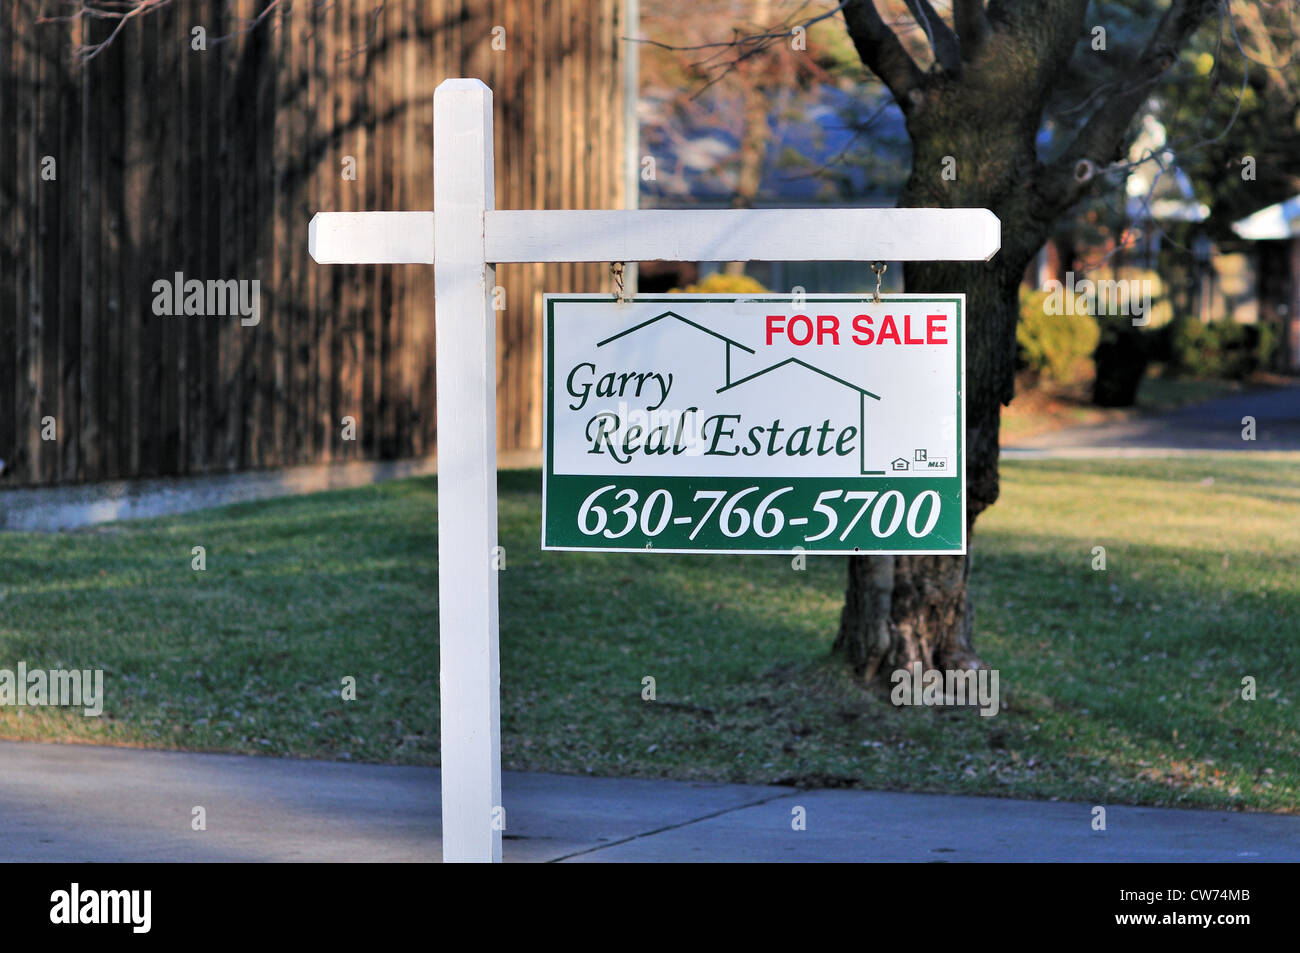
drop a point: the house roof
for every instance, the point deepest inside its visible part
(1277, 221)
(795, 360)
(673, 314)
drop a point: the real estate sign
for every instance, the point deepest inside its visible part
(755, 423)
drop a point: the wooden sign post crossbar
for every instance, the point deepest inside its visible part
(464, 240)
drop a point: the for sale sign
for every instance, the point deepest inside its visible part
(755, 424)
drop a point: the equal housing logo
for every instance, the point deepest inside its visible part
(77, 906)
(63, 688)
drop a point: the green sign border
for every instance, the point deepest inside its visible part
(884, 483)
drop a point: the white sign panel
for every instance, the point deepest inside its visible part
(760, 423)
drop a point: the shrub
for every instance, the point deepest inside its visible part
(719, 283)
(1221, 348)
(1268, 347)
(1122, 355)
(1055, 345)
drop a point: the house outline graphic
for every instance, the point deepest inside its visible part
(699, 327)
(863, 394)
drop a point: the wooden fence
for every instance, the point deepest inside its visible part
(155, 157)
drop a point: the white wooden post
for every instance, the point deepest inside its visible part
(462, 240)
(467, 472)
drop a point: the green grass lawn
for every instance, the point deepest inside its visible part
(1120, 685)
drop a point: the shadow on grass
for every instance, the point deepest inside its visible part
(1099, 669)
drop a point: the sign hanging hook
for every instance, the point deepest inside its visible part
(879, 269)
(616, 271)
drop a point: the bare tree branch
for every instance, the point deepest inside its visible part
(1282, 75)
(883, 54)
(942, 40)
(123, 12)
(753, 39)
(717, 66)
(1147, 226)
(972, 27)
(1061, 183)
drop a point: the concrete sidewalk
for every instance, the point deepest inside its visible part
(78, 803)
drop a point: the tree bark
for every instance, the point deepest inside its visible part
(902, 609)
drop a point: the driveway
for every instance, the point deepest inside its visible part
(1211, 426)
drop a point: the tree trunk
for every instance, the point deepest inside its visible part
(903, 609)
